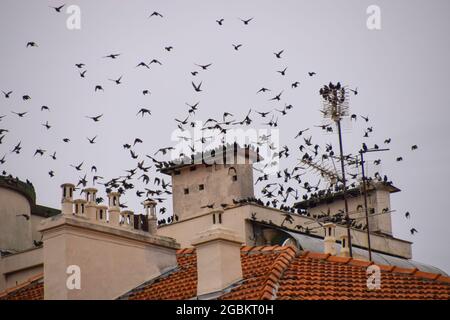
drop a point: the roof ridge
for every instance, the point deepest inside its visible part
(279, 266)
(386, 268)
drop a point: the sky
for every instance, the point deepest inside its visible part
(401, 72)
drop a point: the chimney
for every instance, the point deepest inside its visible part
(114, 208)
(67, 198)
(101, 213)
(79, 207)
(330, 238)
(85, 259)
(218, 259)
(127, 219)
(91, 204)
(345, 249)
(150, 213)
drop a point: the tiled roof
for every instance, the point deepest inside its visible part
(280, 273)
(32, 289)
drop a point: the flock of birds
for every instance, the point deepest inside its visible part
(280, 190)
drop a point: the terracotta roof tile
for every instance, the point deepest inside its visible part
(32, 289)
(281, 273)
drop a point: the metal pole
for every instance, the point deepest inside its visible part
(338, 122)
(365, 204)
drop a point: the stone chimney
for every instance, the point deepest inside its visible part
(101, 213)
(330, 238)
(127, 219)
(218, 260)
(67, 198)
(114, 208)
(91, 203)
(345, 248)
(79, 207)
(150, 213)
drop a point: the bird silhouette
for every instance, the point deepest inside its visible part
(58, 9)
(236, 46)
(246, 21)
(197, 87)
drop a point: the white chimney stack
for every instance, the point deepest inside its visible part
(330, 238)
(91, 203)
(150, 213)
(67, 198)
(79, 207)
(101, 213)
(345, 248)
(127, 219)
(218, 259)
(114, 208)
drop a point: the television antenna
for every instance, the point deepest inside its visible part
(335, 108)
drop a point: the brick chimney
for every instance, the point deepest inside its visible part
(330, 238)
(218, 260)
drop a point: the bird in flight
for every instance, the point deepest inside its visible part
(58, 9)
(278, 54)
(155, 61)
(197, 88)
(78, 167)
(79, 65)
(39, 152)
(142, 64)
(82, 74)
(413, 230)
(46, 125)
(277, 97)
(204, 67)
(144, 111)
(246, 22)
(112, 55)
(295, 84)
(220, 22)
(98, 87)
(45, 108)
(311, 74)
(237, 46)
(414, 147)
(20, 114)
(92, 140)
(300, 133)
(263, 90)
(156, 14)
(117, 81)
(283, 72)
(7, 94)
(31, 44)
(96, 118)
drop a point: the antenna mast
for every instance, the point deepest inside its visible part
(335, 107)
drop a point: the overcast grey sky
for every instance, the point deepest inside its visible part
(401, 72)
